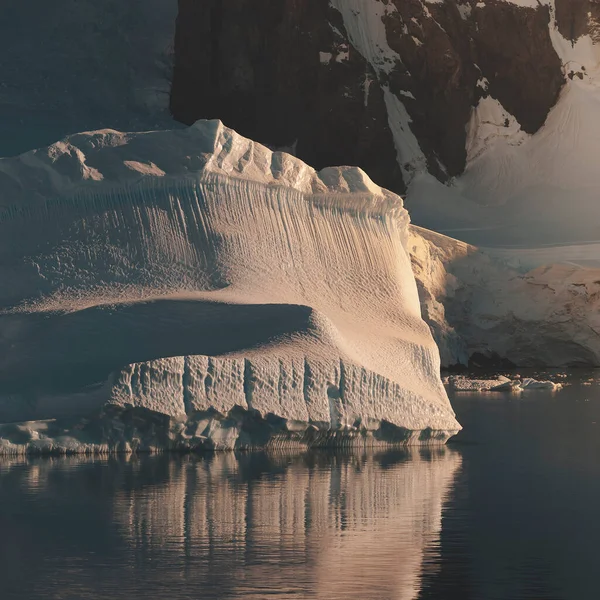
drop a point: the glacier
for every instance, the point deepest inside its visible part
(193, 289)
(508, 306)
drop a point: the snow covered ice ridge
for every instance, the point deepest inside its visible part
(192, 289)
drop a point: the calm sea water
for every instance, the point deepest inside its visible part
(508, 511)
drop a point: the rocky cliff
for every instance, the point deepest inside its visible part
(371, 81)
(286, 74)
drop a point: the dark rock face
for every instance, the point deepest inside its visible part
(437, 70)
(285, 72)
(446, 51)
(79, 65)
(515, 53)
(577, 17)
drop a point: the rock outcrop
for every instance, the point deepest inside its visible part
(285, 74)
(340, 81)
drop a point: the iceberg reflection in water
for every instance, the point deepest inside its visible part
(318, 525)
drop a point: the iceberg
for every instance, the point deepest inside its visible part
(193, 289)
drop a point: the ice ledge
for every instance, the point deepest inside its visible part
(116, 429)
(200, 402)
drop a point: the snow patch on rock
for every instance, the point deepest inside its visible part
(366, 30)
(491, 122)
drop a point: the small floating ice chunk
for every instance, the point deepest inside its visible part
(499, 384)
(507, 386)
(533, 384)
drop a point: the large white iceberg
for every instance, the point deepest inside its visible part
(197, 276)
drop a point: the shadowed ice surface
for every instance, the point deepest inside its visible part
(508, 511)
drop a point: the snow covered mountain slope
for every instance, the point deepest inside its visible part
(230, 289)
(536, 188)
(489, 109)
(522, 164)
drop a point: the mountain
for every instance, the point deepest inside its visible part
(482, 113)
(197, 277)
(187, 287)
(79, 65)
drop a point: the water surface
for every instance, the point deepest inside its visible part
(508, 511)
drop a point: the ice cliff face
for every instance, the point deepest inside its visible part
(492, 307)
(198, 276)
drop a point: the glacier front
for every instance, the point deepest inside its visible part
(192, 289)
